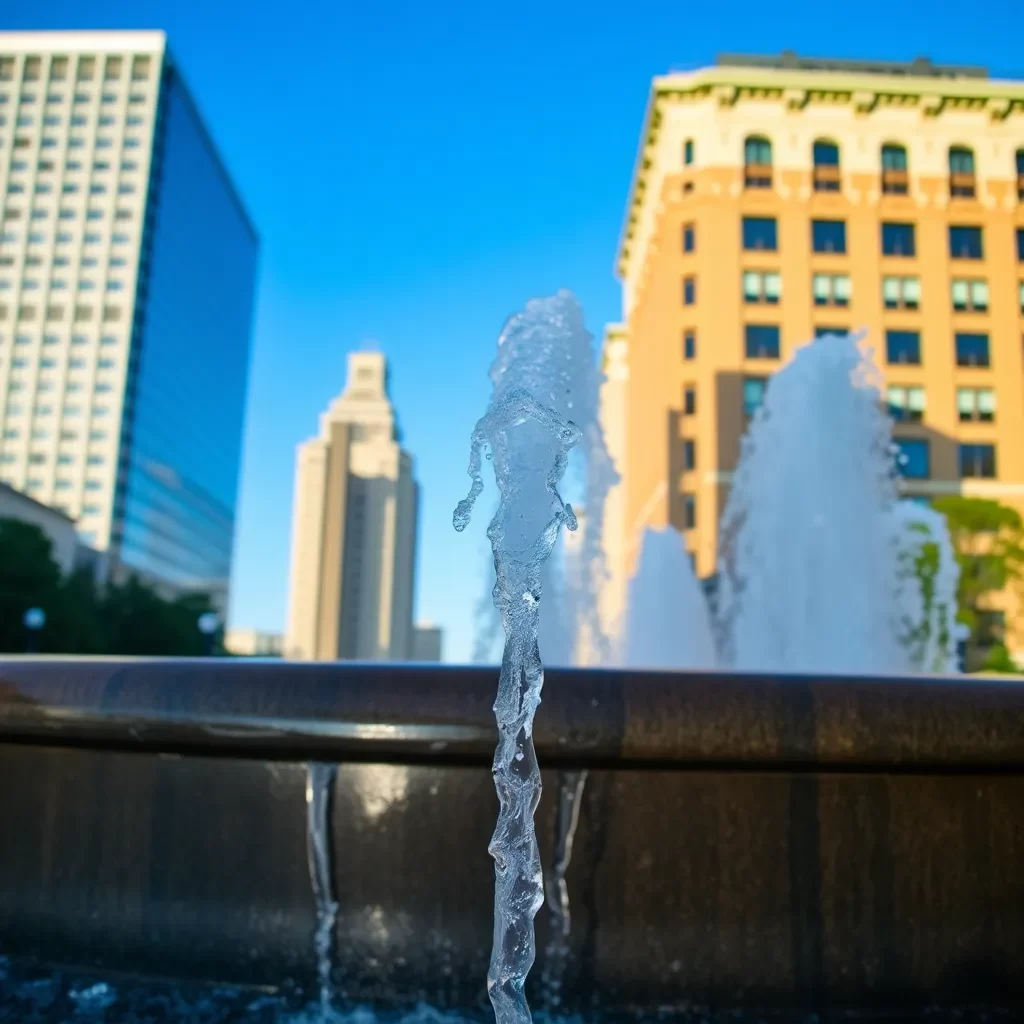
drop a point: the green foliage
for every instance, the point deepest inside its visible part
(923, 562)
(999, 660)
(989, 542)
(81, 618)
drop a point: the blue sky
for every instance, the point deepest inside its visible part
(418, 170)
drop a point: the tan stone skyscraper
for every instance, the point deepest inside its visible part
(354, 529)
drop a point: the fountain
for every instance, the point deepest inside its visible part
(667, 622)
(529, 434)
(807, 576)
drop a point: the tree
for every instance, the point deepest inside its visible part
(29, 578)
(989, 542)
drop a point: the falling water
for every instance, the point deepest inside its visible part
(528, 431)
(567, 816)
(319, 789)
(667, 624)
(808, 575)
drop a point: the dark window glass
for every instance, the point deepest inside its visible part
(689, 455)
(1020, 245)
(965, 243)
(972, 350)
(688, 238)
(903, 347)
(961, 160)
(826, 154)
(689, 291)
(757, 150)
(898, 239)
(894, 158)
(977, 460)
(753, 394)
(760, 233)
(689, 344)
(689, 400)
(688, 151)
(825, 332)
(762, 341)
(177, 489)
(828, 235)
(689, 511)
(913, 459)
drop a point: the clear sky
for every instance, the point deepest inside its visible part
(418, 170)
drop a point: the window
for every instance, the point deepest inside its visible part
(757, 162)
(976, 405)
(897, 239)
(969, 296)
(688, 236)
(689, 344)
(689, 400)
(913, 459)
(753, 394)
(1020, 173)
(977, 461)
(131, 143)
(961, 172)
(101, 165)
(901, 292)
(831, 289)
(906, 404)
(129, 165)
(760, 234)
(762, 286)
(689, 291)
(1021, 297)
(965, 243)
(115, 286)
(972, 350)
(51, 120)
(117, 261)
(111, 313)
(86, 68)
(112, 71)
(58, 69)
(106, 120)
(826, 166)
(762, 341)
(903, 347)
(62, 484)
(65, 460)
(688, 151)
(689, 511)
(689, 455)
(830, 332)
(894, 170)
(96, 460)
(126, 188)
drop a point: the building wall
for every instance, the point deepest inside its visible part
(126, 331)
(718, 109)
(354, 529)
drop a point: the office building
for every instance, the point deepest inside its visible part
(127, 275)
(253, 643)
(427, 643)
(778, 199)
(354, 529)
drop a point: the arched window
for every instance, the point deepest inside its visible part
(894, 169)
(826, 166)
(961, 172)
(1020, 173)
(757, 162)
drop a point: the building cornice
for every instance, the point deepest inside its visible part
(796, 88)
(89, 41)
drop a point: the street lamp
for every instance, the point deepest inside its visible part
(33, 620)
(207, 625)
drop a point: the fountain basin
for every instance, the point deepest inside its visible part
(767, 843)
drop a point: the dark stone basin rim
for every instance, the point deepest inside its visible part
(280, 710)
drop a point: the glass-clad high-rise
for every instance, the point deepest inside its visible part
(127, 276)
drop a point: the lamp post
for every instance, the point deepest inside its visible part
(33, 620)
(207, 624)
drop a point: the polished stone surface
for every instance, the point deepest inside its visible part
(797, 845)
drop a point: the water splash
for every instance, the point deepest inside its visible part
(928, 574)
(567, 816)
(319, 791)
(807, 573)
(528, 432)
(667, 623)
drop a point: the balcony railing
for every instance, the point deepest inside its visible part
(895, 182)
(962, 184)
(826, 178)
(757, 176)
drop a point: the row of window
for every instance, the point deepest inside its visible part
(27, 99)
(95, 434)
(41, 458)
(76, 120)
(53, 339)
(974, 405)
(764, 287)
(18, 166)
(62, 260)
(58, 284)
(895, 166)
(70, 188)
(64, 237)
(69, 213)
(76, 142)
(98, 412)
(81, 313)
(85, 70)
(761, 234)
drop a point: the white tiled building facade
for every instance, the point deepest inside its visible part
(127, 274)
(76, 129)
